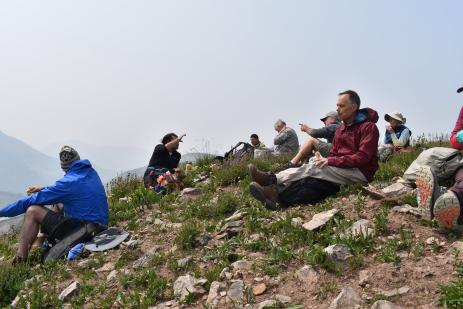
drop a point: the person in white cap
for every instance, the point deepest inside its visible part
(314, 144)
(397, 136)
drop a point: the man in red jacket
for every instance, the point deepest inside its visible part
(352, 159)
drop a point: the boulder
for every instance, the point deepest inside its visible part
(235, 293)
(361, 227)
(308, 275)
(396, 189)
(186, 285)
(214, 294)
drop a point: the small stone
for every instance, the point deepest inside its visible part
(259, 289)
(320, 219)
(230, 225)
(308, 275)
(347, 299)
(213, 296)
(158, 222)
(223, 294)
(132, 244)
(106, 267)
(112, 275)
(186, 285)
(283, 299)
(432, 240)
(362, 227)
(142, 261)
(70, 291)
(236, 292)
(258, 279)
(190, 192)
(364, 277)
(384, 304)
(267, 304)
(408, 209)
(236, 216)
(396, 189)
(296, 222)
(338, 252)
(90, 263)
(241, 266)
(182, 263)
(395, 292)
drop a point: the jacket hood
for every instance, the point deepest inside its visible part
(78, 165)
(366, 114)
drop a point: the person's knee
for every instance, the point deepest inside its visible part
(35, 212)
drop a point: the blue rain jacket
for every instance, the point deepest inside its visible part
(80, 190)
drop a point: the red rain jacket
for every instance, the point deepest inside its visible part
(356, 145)
(458, 126)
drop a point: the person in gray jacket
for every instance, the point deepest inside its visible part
(313, 144)
(286, 142)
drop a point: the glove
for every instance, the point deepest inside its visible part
(460, 136)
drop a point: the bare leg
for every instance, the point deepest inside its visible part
(305, 151)
(32, 219)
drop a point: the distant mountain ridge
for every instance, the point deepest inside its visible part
(21, 166)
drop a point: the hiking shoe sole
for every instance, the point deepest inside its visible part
(426, 185)
(258, 193)
(447, 211)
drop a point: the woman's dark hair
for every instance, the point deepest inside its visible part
(254, 136)
(168, 138)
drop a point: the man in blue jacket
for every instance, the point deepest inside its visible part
(79, 195)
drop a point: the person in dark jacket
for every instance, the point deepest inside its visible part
(352, 159)
(79, 195)
(313, 144)
(164, 163)
(396, 137)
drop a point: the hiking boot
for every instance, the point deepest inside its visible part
(267, 195)
(447, 211)
(426, 187)
(262, 178)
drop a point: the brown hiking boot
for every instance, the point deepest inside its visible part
(268, 195)
(262, 178)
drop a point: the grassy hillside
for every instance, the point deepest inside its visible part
(248, 253)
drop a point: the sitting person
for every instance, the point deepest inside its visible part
(80, 197)
(162, 172)
(331, 122)
(286, 142)
(256, 143)
(352, 159)
(446, 208)
(397, 136)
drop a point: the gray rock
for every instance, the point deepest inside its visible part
(70, 291)
(308, 275)
(347, 299)
(190, 192)
(338, 252)
(320, 219)
(186, 285)
(236, 216)
(432, 240)
(214, 293)
(384, 304)
(231, 225)
(283, 299)
(106, 267)
(236, 292)
(361, 227)
(90, 263)
(112, 275)
(267, 304)
(407, 209)
(241, 266)
(296, 222)
(182, 263)
(396, 189)
(142, 261)
(396, 292)
(364, 277)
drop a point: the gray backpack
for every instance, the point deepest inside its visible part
(443, 161)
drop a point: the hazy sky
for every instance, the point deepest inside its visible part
(127, 72)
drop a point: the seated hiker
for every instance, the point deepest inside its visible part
(352, 159)
(286, 142)
(256, 143)
(397, 136)
(80, 192)
(444, 205)
(313, 144)
(162, 172)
